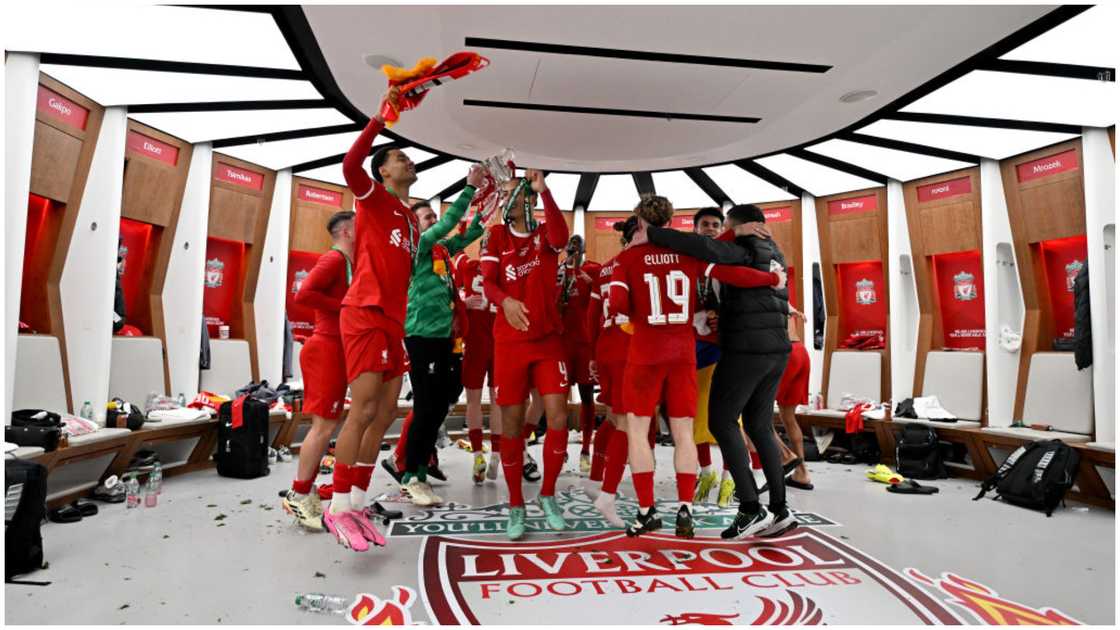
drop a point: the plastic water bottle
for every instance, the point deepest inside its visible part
(156, 477)
(87, 411)
(151, 493)
(321, 603)
(132, 485)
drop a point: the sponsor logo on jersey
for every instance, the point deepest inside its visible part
(395, 238)
(511, 273)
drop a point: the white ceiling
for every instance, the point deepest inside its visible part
(203, 126)
(891, 49)
(989, 142)
(901, 165)
(817, 179)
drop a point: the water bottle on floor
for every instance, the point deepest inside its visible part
(156, 478)
(132, 486)
(321, 603)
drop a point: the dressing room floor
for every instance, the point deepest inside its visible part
(222, 551)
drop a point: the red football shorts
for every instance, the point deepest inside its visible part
(372, 343)
(478, 361)
(794, 388)
(644, 386)
(521, 366)
(610, 384)
(579, 363)
(324, 376)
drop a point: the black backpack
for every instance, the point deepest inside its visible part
(25, 508)
(1036, 475)
(918, 453)
(242, 439)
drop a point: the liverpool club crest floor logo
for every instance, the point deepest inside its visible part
(805, 578)
(582, 517)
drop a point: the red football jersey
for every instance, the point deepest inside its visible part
(524, 267)
(386, 234)
(656, 287)
(468, 280)
(612, 343)
(323, 290)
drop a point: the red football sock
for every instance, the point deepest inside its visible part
(343, 478)
(527, 431)
(512, 462)
(599, 451)
(686, 484)
(402, 443)
(476, 440)
(360, 475)
(587, 425)
(643, 487)
(302, 487)
(617, 454)
(495, 442)
(704, 454)
(756, 463)
(555, 447)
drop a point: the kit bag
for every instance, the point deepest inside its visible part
(25, 508)
(918, 453)
(242, 438)
(1035, 476)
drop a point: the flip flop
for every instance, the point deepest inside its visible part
(909, 486)
(883, 474)
(87, 508)
(793, 483)
(848, 459)
(790, 466)
(65, 514)
(835, 458)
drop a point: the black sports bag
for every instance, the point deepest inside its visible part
(1036, 475)
(242, 438)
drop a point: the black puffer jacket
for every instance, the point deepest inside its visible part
(1082, 321)
(751, 321)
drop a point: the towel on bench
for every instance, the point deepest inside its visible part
(181, 414)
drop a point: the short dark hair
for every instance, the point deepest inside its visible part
(746, 213)
(338, 219)
(710, 211)
(378, 160)
(627, 227)
(420, 204)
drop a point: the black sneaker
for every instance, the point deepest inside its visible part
(381, 511)
(747, 525)
(644, 523)
(387, 464)
(435, 473)
(784, 521)
(529, 470)
(685, 528)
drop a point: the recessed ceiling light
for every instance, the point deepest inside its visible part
(858, 95)
(467, 147)
(375, 61)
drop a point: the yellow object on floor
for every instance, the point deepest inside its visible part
(884, 474)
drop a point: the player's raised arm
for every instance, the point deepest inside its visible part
(356, 177)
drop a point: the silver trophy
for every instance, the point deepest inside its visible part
(497, 170)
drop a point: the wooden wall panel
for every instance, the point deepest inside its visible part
(56, 173)
(602, 244)
(1061, 195)
(308, 228)
(54, 161)
(851, 238)
(939, 226)
(241, 214)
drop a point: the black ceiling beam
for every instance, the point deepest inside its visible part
(910, 147)
(602, 111)
(335, 159)
(644, 183)
(432, 162)
(839, 165)
(294, 134)
(643, 55)
(980, 121)
(585, 190)
(770, 177)
(1045, 69)
(710, 188)
(158, 65)
(227, 106)
(450, 190)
